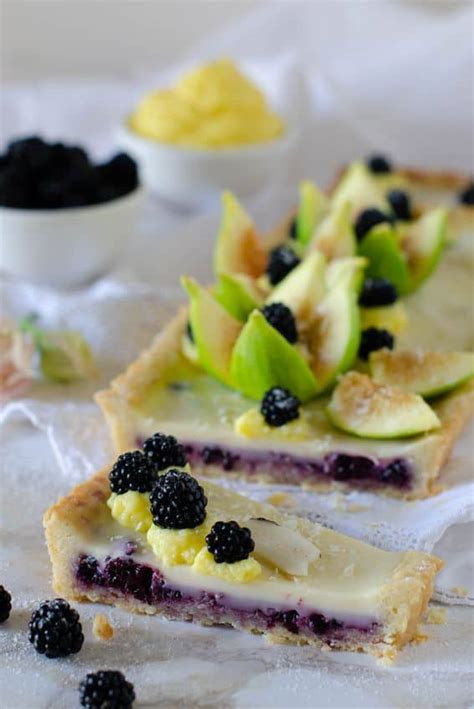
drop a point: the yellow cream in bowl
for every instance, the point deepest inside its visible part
(214, 106)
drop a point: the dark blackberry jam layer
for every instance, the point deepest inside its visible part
(126, 578)
(356, 470)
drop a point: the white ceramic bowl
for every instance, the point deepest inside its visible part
(66, 247)
(195, 177)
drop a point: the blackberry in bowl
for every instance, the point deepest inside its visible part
(63, 217)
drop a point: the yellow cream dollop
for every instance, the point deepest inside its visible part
(239, 572)
(214, 106)
(251, 424)
(132, 509)
(176, 546)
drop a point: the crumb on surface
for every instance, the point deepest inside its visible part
(420, 637)
(102, 628)
(459, 590)
(435, 616)
(279, 499)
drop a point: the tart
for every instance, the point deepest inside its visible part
(340, 283)
(225, 559)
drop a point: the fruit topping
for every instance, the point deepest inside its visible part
(55, 629)
(35, 174)
(374, 339)
(303, 288)
(131, 471)
(228, 542)
(164, 451)
(106, 689)
(368, 219)
(400, 203)
(423, 243)
(262, 358)
(279, 406)
(335, 237)
(379, 164)
(177, 501)
(467, 195)
(334, 335)
(359, 187)
(382, 249)
(424, 373)
(282, 260)
(312, 206)
(238, 294)
(215, 331)
(5, 604)
(364, 408)
(238, 248)
(279, 316)
(377, 291)
(283, 547)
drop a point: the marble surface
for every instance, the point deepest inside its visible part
(178, 664)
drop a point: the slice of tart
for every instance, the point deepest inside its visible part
(163, 543)
(312, 316)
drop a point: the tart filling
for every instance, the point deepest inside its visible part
(264, 571)
(250, 377)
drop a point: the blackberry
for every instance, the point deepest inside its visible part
(177, 501)
(400, 203)
(164, 451)
(228, 542)
(374, 339)
(282, 260)
(132, 471)
(5, 604)
(279, 406)
(368, 219)
(282, 319)
(106, 689)
(348, 467)
(289, 619)
(379, 164)
(467, 195)
(376, 292)
(55, 629)
(395, 473)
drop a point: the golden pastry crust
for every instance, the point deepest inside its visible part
(79, 515)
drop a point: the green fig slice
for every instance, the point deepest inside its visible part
(238, 248)
(215, 331)
(335, 236)
(303, 288)
(423, 244)
(262, 359)
(358, 187)
(312, 207)
(381, 247)
(424, 373)
(346, 270)
(334, 336)
(238, 294)
(364, 408)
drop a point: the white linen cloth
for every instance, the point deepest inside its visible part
(394, 77)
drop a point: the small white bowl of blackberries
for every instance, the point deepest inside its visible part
(64, 219)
